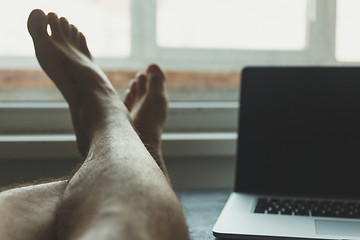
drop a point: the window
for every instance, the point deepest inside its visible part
(106, 24)
(232, 24)
(202, 58)
(201, 44)
(91, 17)
(347, 33)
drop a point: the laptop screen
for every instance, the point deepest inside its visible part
(299, 131)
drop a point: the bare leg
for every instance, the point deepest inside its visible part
(29, 212)
(119, 190)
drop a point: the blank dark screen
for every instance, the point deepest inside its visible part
(299, 131)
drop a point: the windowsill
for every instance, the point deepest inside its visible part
(39, 118)
(55, 146)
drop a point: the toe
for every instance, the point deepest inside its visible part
(156, 78)
(65, 27)
(37, 25)
(74, 35)
(130, 95)
(141, 80)
(83, 45)
(54, 22)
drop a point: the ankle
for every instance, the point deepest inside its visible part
(105, 117)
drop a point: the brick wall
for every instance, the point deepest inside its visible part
(30, 85)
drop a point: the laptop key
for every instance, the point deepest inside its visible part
(285, 211)
(301, 212)
(320, 213)
(262, 205)
(260, 209)
(272, 210)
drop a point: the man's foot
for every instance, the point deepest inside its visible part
(147, 101)
(65, 58)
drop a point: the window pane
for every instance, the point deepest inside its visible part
(234, 24)
(105, 23)
(347, 30)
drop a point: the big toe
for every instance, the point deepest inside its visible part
(37, 24)
(156, 78)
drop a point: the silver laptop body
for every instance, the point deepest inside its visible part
(298, 147)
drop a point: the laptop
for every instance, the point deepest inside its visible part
(298, 155)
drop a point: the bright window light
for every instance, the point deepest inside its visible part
(105, 23)
(348, 31)
(232, 24)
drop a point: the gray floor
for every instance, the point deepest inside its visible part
(201, 209)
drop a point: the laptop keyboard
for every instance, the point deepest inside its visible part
(317, 208)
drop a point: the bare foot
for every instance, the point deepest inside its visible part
(147, 102)
(65, 58)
